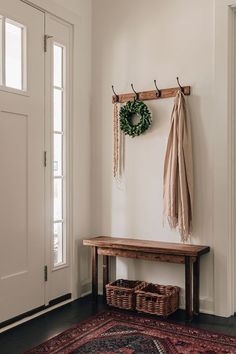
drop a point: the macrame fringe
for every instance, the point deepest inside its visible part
(118, 148)
(115, 141)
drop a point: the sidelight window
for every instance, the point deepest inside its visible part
(59, 153)
(13, 54)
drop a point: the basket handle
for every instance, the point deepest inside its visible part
(150, 298)
(119, 292)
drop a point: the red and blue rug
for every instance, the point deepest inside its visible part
(115, 332)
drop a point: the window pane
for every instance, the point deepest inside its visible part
(59, 144)
(57, 199)
(57, 110)
(58, 243)
(58, 55)
(57, 155)
(13, 55)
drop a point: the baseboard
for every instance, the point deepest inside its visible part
(86, 288)
(31, 315)
(206, 305)
(53, 302)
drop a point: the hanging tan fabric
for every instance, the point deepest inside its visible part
(178, 171)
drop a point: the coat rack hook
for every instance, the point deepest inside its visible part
(181, 88)
(117, 97)
(136, 93)
(158, 93)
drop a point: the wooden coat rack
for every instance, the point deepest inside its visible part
(150, 95)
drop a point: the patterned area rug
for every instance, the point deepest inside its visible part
(115, 332)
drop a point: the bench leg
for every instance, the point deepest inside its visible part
(94, 273)
(106, 275)
(196, 286)
(188, 288)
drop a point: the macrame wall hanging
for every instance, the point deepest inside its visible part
(123, 124)
(116, 141)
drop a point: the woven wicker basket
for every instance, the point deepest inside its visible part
(121, 293)
(157, 299)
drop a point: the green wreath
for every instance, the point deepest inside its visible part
(126, 114)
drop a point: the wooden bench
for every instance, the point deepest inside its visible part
(189, 255)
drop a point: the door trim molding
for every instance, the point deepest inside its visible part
(56, 10)
(224, 161)
(232, 157)
(52, 19)
(232, 154)
(80, 137)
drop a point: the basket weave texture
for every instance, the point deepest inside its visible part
(121, 293)
(161, 300)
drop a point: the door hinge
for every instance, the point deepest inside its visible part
(45, 158)
(46, 37)
(45, 273)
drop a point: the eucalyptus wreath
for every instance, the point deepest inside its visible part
(127, 113)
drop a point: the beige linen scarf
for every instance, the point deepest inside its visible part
(178, 171)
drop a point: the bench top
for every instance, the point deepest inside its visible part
(147, 246)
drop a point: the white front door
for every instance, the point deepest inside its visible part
(21, 159)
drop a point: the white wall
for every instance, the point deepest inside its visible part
(139, 41)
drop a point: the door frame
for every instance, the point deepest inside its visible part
(74, 21)
(225, 159)
(69, 162)
(233, 151)
(80, 137)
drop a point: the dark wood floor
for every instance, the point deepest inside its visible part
(38, 330)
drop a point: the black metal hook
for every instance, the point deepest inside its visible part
(158, 93)
(117, 97)
(136, 93)
(181, 88)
